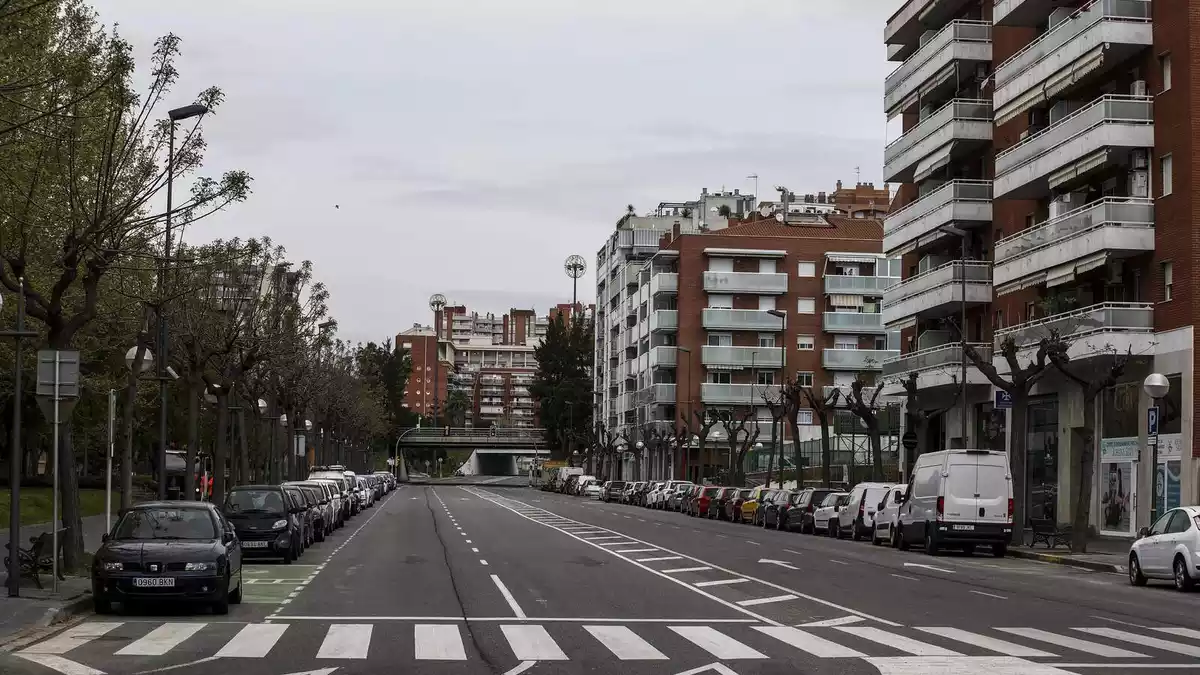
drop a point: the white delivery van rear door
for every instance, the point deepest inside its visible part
(994, 488)
(959, 488)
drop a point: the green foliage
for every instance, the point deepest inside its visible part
(457, 408)
(562, 385)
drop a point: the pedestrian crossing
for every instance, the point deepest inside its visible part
(103, 643)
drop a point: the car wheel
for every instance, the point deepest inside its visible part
(901, 542)
(235, 597)
(893, 540)
(1183, 581)
(830, 529)
(968, 549)
(875, 540)
(855, 534)
(288, 556)
(101, 604)
(221, 606)
(931, 544)
(1135, 571)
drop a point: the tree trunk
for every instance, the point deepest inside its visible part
(244, 449)
(194, 391)
(1017, 454)
(127, 427)
(289, 446)
(826, 451)
(68, 489)
(876, 447)
(221, 451)
(1086, 468)
(771, 455)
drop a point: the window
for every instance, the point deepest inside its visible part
(720, 340)
(719, 377)
(804, 378)
(1164, 164)
(766, 266)
(720, 301)
(766, 339)
(804, 417)
(845, 342)
(720, 264)
(806, 305)
(1168, 276)
(1164, 62)
(999, 319)
(767, 377)
(805, 342)
(806, 269)
(766, 302)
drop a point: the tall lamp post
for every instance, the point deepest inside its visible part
(437, 302)
(14, 450)
(175, 115)
(1157, 386)
(285, 462)
(575, 266)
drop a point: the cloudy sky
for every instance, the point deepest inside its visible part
(472, 145)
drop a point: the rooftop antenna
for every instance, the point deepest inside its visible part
(857, 175)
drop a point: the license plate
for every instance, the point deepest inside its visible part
(154, 582)
(967, 528)
(254, 544)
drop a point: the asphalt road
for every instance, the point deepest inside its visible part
(479, 580)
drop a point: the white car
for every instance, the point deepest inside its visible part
(591, 489)
(1168, 549)
(580, 483)
(858, 520)
(826, 514)
(887, 512)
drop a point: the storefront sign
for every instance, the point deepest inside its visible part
(1120, 449)
(1170, 446)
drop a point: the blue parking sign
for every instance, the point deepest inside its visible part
(1152, 421)
(1003, 400)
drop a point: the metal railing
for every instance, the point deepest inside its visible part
(1105, 317)
(940, 356)
(665, 356)
(741, 357)
(664, 319)
(1067, 30)
(1104, 110)
(955, 190)
(1107, 212)
(657, 394)
(957, 109)
(740, 319)
(856, 359)
(737, 393)
(858, 285)
(745, 282)
(664, 282)
(865, 321)
(976, 271)
(973, 31)
(414, 435)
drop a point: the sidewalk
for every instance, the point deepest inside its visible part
(93, 530)
(1104, 555)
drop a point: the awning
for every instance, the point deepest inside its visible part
(1078, 168)
(1020, 284)
(934, 161)
(1068, 77)
(1060, 275)
(1020, 104)
(868, 258)
(1092, 262)
(841, 300)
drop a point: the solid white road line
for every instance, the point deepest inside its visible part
(64, 666)
(990, 595)
(677, 570)
(901, 576)
(638, 550)
(827, 623)
(625, 644)
(660, 559)
(765, 601)
(73, 637)
(904, 644)
(719, 582)
(989, 643)
(1144, 641)
(532, 643)
(161, 640)
(817, 646)
(1092, 648)
(254, 641)
(508, 597)
(438, 642)
(346, 641)
(955, 665)
(716, 643)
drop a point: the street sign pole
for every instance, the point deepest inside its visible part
(57, 461)
(112, 416)
(57, 392)
(1152, 417)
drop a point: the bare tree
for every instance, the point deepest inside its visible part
(823, 408)
(867, 411)
(741, 431)
(781, 409)
(705, 421)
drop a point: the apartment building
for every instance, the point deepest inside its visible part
(488, 358)
(715, 320)
(1039, 190)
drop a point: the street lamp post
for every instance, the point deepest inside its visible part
(1157, 386)
(285, 461)
(14, 450)
(437, 302)
(175, 115)
(637, 460)
(575, 266)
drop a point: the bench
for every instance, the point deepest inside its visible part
(34, 560)
(1049, 532)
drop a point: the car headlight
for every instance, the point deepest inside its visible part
(114, 566)
(199, 567)
(279, 524)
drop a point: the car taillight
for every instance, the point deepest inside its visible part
(862, 508)
(810, 508)
(1011, 508)
(941, 506)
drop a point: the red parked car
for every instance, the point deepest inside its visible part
(733, 505)
(699, 505)
(716, 506)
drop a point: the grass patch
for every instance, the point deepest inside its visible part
(37, 505)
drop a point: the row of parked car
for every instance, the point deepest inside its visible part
(193, 551)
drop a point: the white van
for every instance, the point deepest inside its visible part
(958, 498)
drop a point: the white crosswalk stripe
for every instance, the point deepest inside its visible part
(817, 646)
(716, 643)
(532, 643)
(73, 637)
(904, 644)
(1093, 648)
(1144, 641)
(162, 639)
(253, 641)
(438, 642)
(625, 644)
(346, 641)
(989, 643)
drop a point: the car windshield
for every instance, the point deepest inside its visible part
(830, 499)
(744, 494)
(161, 523)
(261, 502)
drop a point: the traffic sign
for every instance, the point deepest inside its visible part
(1003, 400)
(1152, 421)
(909, 440)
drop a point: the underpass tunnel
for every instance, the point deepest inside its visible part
(497, 464)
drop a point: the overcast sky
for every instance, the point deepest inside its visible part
(472, 145)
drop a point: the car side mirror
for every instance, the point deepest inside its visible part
(1143, 532)
(227, 538)
(104, 538)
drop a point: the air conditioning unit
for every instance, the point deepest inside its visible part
(1139, 183)
(1138, 88)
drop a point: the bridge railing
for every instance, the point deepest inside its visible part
(460, 434)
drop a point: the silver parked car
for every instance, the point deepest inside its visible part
(1168, 549)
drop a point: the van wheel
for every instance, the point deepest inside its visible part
(901, 542)
(931, 544)
(836, 528)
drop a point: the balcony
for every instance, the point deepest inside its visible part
(741, 319)
(938, 292)
(1098, 331)
(657, 394)
(1061, 155)
(1095, 39)
(1058, 249)
(631, 307)
(904, 29)
(630, 339)
(664, 282)
(853, 322)
(935, 367)
(761, 283)
(956, 129)
(844, 284)
(856, 359)
(663, 357)
(941, 62)
(963, 203)
(664, 320)
(737, 394)
(741, 357)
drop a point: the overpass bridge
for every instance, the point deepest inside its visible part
(494, 452)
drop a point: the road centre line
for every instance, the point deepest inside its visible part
(990, 595)
(494, 498)
(492, 619)
(508, 596)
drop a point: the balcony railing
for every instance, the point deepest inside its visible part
(744, 394)
(856, 285)
(976, 271)
(939, 291)
(958, 40)
(657, 394)
(896, 155)
(741, 319)
(664, 282)
(664, 320)
(856, 359)
(1106, 317)
(940, 356)
(853, 322)
(663, 357)
(955, 201)
(742, 357)
(745, 282)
